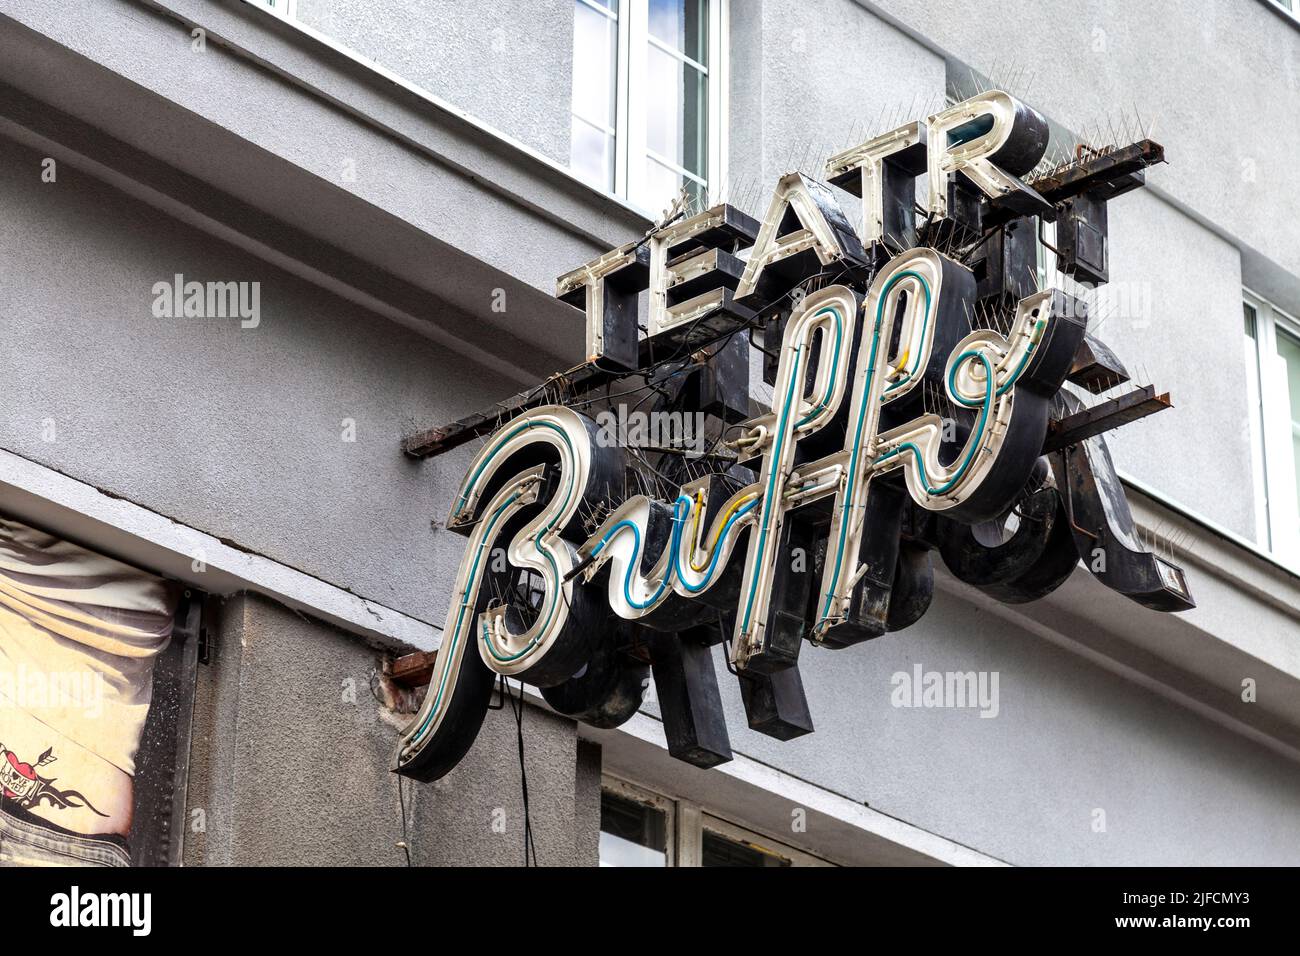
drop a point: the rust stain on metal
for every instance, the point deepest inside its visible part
(413, 670)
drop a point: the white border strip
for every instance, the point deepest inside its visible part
(63, 505)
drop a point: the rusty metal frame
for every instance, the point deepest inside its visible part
(163, 763)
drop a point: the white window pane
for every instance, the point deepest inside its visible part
(677, 120)
(1288, 349)
(615, 851)
(682, 25)
(663, 124)
(1255, 401)
(595, 65)
(591, 154)
(663, 186)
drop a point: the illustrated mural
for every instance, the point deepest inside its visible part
(22, 783)
(80, 633)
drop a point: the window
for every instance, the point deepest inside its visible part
(647, 98)
(1291, 6)
(281, 8)
(634, 826)
(725, 844)
(1273, 379)
(639, 827)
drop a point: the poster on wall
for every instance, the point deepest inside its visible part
(97, 665)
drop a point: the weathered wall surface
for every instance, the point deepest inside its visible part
(811, 78)
(290, 764)
(508, 63)
(1069, 739)
(240, 432)
(1172, 312)
(1219, 79)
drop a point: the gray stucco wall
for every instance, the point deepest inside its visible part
(1068, 739)
(238, 432)
(812, 78)
(1220, 80)
(1172, 312)
(414, 191)
(510, 64)
(291, 755)
(807, 77)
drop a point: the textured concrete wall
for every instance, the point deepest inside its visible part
(808, 77)
(509, 64)
(811, 78)
(238, 432)
(1172, 312)
(291, 755)
(1068, 739)
(1220, 79)
(350, 159)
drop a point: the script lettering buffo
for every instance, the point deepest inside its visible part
(918, 404)
(546, 455)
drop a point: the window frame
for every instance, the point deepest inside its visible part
(1288, 8)
(284, 9)
(761, 841)
(657, 801)
(686, 822)
(616, 131)
(632, 100)
(1277, 515)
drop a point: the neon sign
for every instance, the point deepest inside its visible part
(926, 397)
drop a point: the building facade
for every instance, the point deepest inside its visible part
(393, 190)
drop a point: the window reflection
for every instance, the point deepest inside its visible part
(682, 25)
(631, 833)
(717, 850)
(595, 91)
(1288, 349)
(641, 121)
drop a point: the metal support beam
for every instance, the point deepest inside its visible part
(1129, 407)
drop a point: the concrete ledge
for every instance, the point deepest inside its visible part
(837, 828)
(438, 202)
(1246, 625)
(78, 511)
